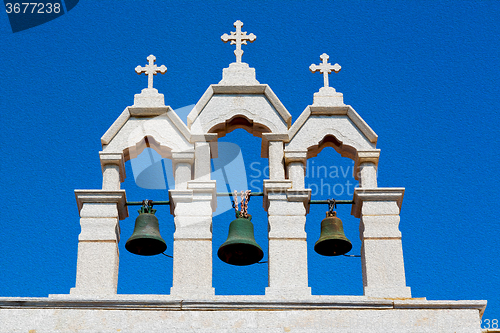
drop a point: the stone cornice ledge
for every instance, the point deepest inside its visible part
(243, 89)
(276, 189)
(376, 194)
(300, 195)
(113, 158)
(148, 111)
(204, 190)
(176, 196)
(424, 304)
(233, 303)
(279, 186)
(115, 127)
(103, 196)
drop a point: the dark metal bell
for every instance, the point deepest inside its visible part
(146, 239)
(332, 240)
(240, 248)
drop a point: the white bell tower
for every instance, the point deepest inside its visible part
(240, 101)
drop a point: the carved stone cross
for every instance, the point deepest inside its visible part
(238, 38)
(151, 69)
(325, 67)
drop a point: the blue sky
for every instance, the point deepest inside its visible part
(423, 74)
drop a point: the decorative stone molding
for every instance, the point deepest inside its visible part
(147, 110)
(380, 194)
(103, 196)
(207, 137)
(234, 302)
(115, 127)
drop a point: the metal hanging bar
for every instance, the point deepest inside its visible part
(338, 202)
(253, 194)
(229, 194)
(154, 203)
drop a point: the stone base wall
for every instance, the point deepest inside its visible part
(157, 313)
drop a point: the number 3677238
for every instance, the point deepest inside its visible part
(33, 8)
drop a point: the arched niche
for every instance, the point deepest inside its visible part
(239, 121)
(242, 175)
(335, 131)
(329, 175)
(255, 103)
(152, 182)
(329, 140)
(339, 127)
(160, 129)
(164, 131)
(147, 141)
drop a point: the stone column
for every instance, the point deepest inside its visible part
(287, 203)
(113, 170)
(276, 155)
(366, 168)
(296, 165)
(192, 208)
(286, 210)
(381, 248)
(182, 165)
(202, 167)
(98, 257)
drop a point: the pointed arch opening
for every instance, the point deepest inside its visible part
(149, 176)
(331, 176)
(241, 122)
(244, 172)
(330, 140)
(147, 141)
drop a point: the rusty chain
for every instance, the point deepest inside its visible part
(245, 198)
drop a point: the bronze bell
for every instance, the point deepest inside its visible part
(146, 239)
(240, 248)
(332, 240)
